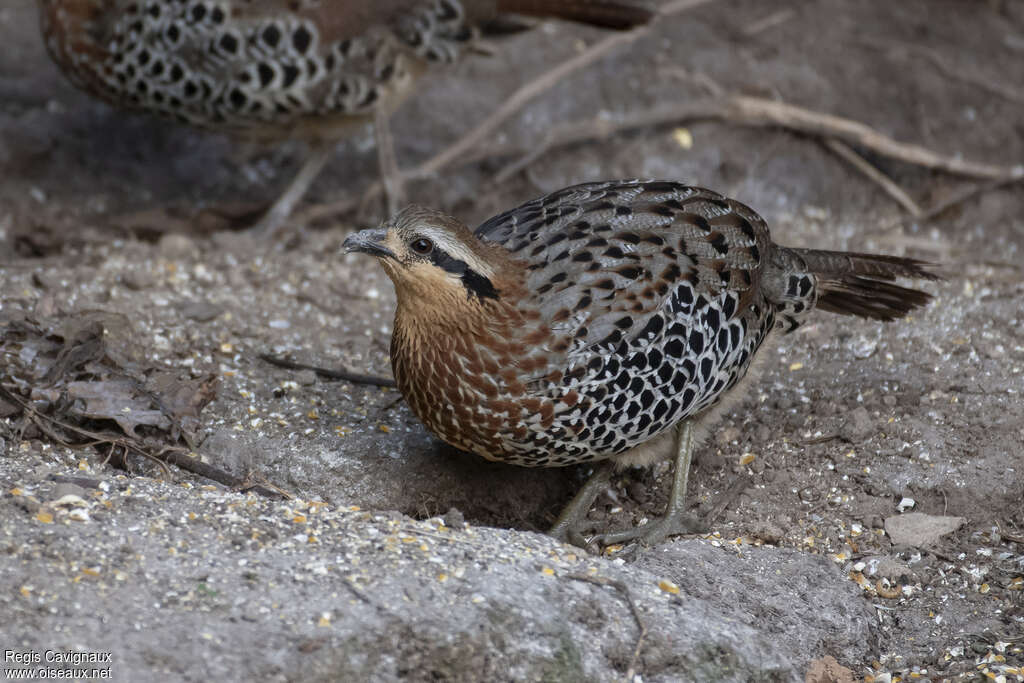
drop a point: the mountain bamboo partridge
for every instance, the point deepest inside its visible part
(280, 69)
(603, 322)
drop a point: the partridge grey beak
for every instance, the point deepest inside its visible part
(369, 242)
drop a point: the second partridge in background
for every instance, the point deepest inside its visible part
(275, 70)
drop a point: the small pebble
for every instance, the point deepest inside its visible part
(201, 311)
(859, 426)
(138, 280)
(454, 518)
(44, 281)
(767, 532)
(176, 246)
(66, 489)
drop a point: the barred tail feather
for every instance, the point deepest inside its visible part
(861, 284)
(867, 298)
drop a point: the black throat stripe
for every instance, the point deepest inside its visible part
(476, 284)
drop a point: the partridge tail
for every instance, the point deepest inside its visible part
(603, 13)
(861, 284)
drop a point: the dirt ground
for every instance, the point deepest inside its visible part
(852, 423)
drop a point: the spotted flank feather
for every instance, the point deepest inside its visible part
(615, 310)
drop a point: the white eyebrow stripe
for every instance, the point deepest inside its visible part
(443, 240)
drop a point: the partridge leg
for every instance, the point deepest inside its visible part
(390, 175)
(566, 527)
(675, 521)
(282, 208)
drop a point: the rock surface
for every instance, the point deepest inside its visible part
(193, 577)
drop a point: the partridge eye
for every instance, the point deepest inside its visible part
(422, 246)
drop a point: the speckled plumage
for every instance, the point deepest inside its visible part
(273, 68)
(601, 322)
(586, 323)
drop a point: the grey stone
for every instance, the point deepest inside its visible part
(45, 281)
(803, 603)
(138, 280)
(306, 378)
(176, 246)
(767, 532)
(858, 425)
(885, 566)
(918, 529)
(201, 311)
(66, 489)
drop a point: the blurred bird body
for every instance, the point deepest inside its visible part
(274, 70)
(590, 324)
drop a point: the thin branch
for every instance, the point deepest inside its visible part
(524, 95)
(178, 458)
(509, 108)
(168, 456)
(887, 184)
(770, 21)
(758, 111)
(755, 111)
(736, 109)
(967, 195)
(736, 488)
(328, 373)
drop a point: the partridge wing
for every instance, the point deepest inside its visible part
(650, 290)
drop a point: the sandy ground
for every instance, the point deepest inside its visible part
(853, 422)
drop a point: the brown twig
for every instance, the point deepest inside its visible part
(44, 423)
(605, 582)
(386, 408)
(1014, 538)
(756, 111)
(888, 185)
(327, 373)
(1009, 535)
(770, 21)
(737, 487)
(820, 439)
(168, 456)
(963, 197)
(179, 458)
(508, 108)
(525, 94)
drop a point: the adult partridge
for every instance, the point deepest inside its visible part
(280, 69)
(603, 322)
